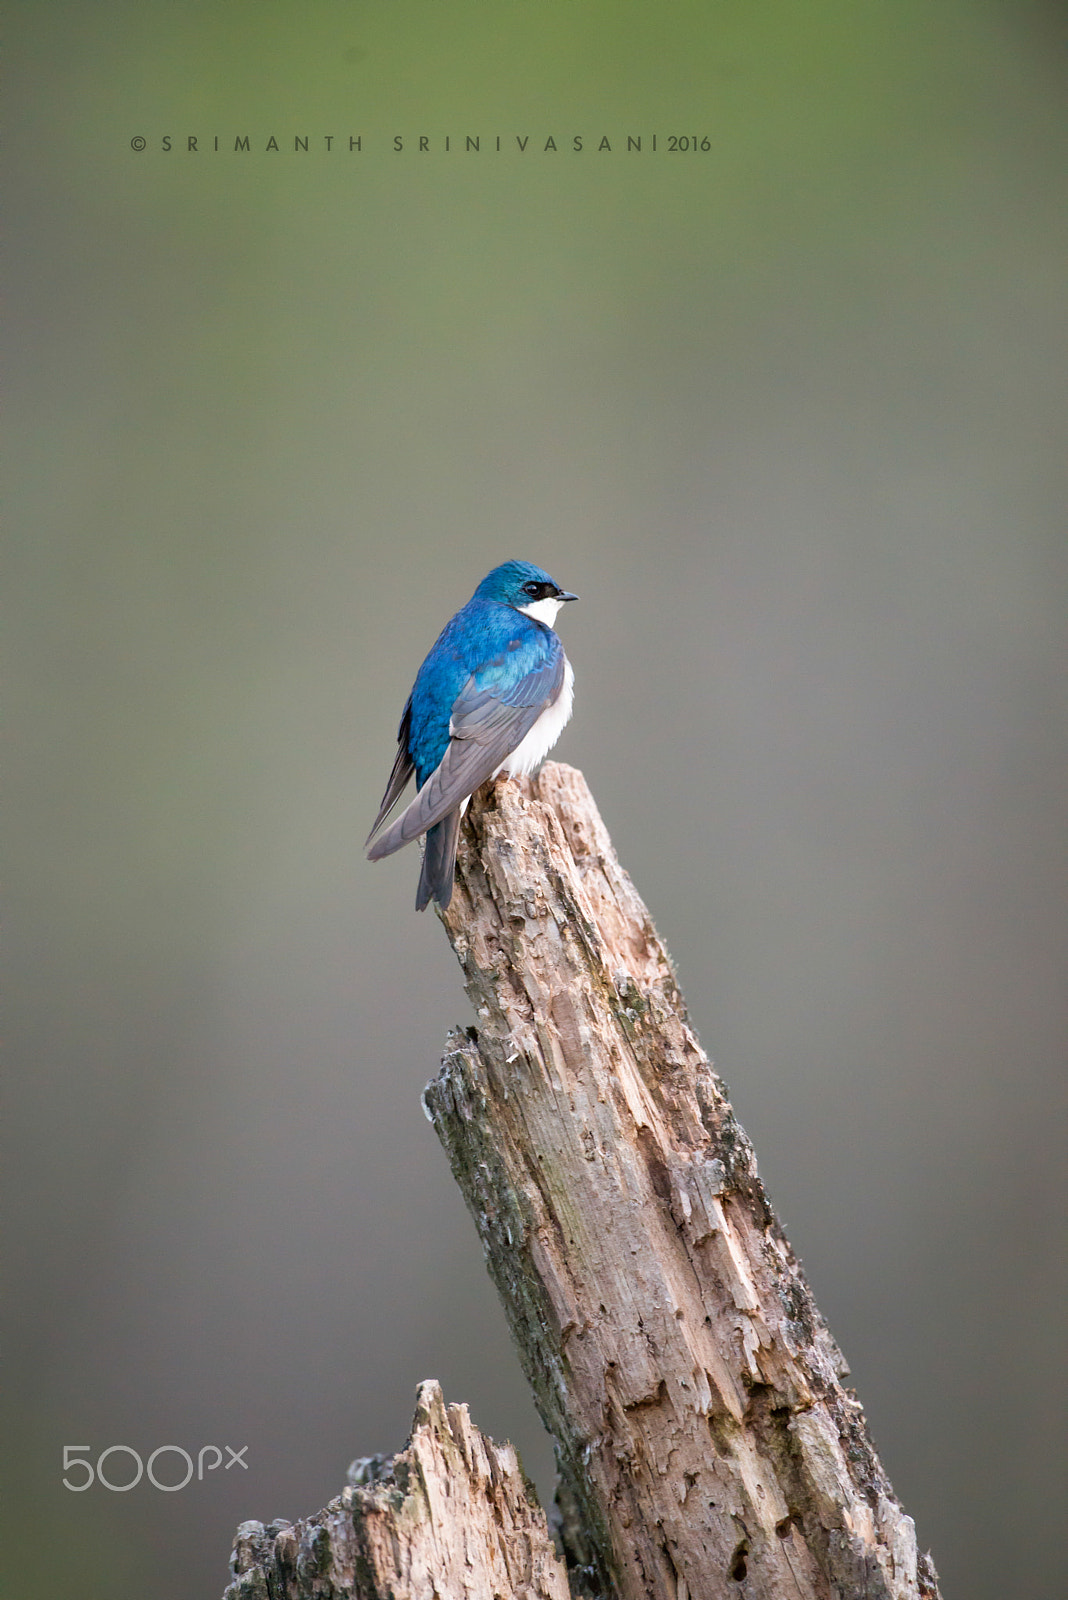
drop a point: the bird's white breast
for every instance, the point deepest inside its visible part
(535, 746)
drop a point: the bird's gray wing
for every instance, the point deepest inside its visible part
(486, 725)
(403, 768)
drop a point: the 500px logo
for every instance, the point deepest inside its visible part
(77, 1456)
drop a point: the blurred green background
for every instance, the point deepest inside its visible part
(789, 415)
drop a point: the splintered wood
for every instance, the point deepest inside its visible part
(451, 1516)
(706, 1443)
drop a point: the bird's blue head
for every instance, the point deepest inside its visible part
(526, 588)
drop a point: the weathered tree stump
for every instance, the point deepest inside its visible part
(452, 1516)
(706, 1443)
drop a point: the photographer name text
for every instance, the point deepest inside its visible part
(471, 144)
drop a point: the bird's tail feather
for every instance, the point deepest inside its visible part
(439, 862)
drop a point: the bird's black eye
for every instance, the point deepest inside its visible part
(533, 589)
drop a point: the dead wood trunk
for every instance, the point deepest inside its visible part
(706, 1444)
(451, 1516)
(705, 1441)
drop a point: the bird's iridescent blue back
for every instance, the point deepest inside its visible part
(488, 640)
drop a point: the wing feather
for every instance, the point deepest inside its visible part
(403, 769)
(486, 726)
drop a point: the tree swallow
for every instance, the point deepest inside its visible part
(492, 696)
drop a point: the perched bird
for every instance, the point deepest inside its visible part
(492, 696)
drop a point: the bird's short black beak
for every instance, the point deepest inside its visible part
(562, 594)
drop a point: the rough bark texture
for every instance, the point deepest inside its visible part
(451, 1517)
(707, 1446)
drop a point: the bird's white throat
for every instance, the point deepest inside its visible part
(542, 610)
